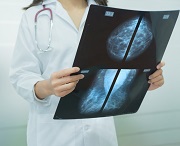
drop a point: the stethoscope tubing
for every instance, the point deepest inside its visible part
(50, 32)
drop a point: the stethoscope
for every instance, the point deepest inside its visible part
(50, 32)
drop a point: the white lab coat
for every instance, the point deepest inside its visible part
(30, 66)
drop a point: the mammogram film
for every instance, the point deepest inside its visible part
(119, 40)
(116, 62)
(95, 96)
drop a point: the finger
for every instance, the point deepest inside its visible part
(65, 89)
(64, 80)
(67, 72)
(64, 93)
(160, 65)
(156, 79)
(70, 79)
(159, 83)
(156, 73)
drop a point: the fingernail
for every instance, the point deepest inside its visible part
(158, 67)
(78, 69)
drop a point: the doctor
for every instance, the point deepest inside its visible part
(40, 73)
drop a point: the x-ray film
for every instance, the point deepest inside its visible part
(117, 52)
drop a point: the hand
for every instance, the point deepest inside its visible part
(156, 79)
(62, 83)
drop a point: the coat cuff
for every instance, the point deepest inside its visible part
(45, 100)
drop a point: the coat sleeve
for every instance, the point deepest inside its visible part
(25, 70)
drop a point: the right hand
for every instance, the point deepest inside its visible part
(62, 83)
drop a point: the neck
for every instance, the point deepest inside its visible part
(69, 4)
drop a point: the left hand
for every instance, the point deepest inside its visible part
(156, 79)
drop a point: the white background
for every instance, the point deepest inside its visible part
(157, 123)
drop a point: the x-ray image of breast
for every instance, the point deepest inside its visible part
(119, 94)
(119, 39)
(93, 100)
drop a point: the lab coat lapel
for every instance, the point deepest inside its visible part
(61, 12)
(46, 2)
(90, 2)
